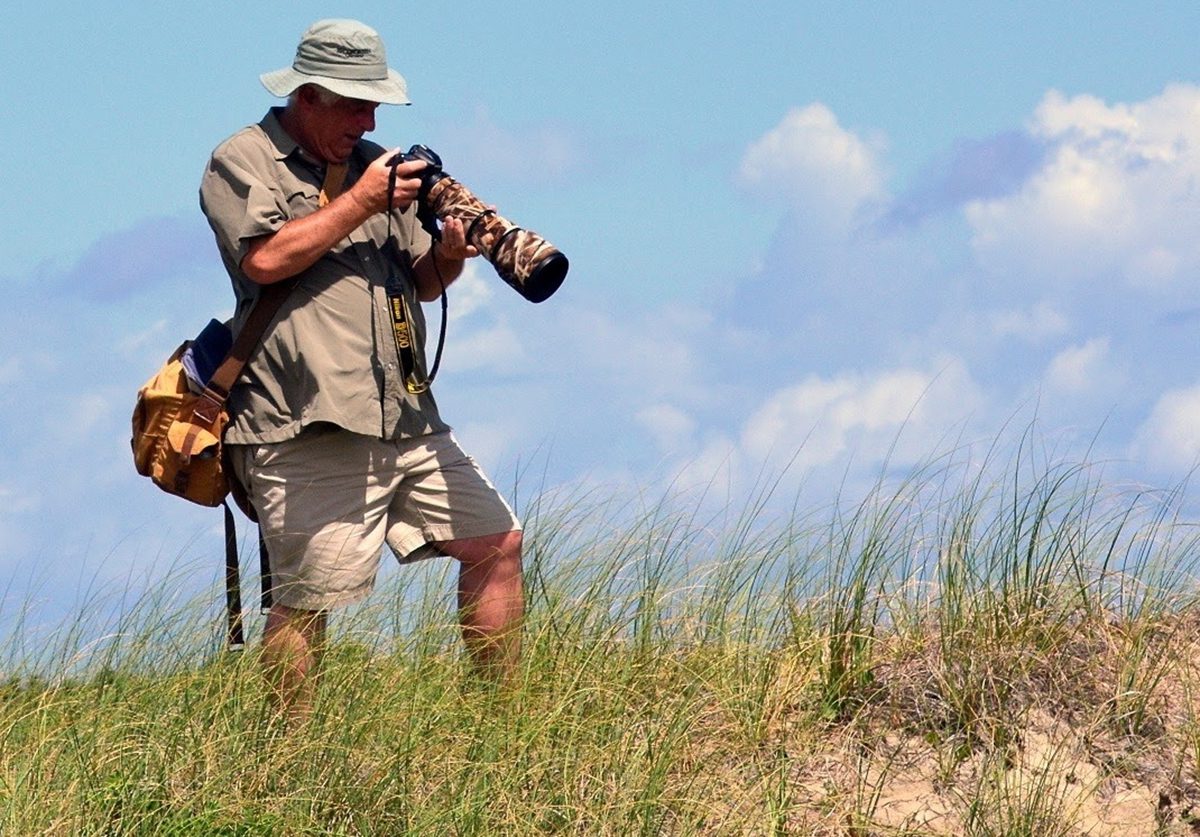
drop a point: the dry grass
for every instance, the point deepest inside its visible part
(949, 656)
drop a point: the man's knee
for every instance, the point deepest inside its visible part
(309, 624)
(502, 547)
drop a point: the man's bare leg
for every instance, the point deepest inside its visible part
(491, 600)
(292, 644)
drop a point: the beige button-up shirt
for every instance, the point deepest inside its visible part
(329, 355)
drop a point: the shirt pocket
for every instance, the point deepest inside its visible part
(303, 201)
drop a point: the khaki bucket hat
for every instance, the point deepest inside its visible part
(345, 57)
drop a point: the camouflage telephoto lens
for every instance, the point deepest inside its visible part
(529, 263)
(534, 267)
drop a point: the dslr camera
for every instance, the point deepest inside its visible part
(530, 264)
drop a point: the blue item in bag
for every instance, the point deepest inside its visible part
(202, 358)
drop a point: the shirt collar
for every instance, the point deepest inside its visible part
(282, 141)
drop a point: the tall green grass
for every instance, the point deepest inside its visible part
(739, 670)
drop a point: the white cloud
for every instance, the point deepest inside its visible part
(490, 442)
(1072, 289)
(1085, 116)
(903, 411)
(1071, 221)
(90, 412)
(659, 352)
(671, 428)
(716, 470)
(494, 347)
(1079, 369)
(1169, 439)
(29, 367)
(472, 290)
(1155, 267)
(825, 434)
(140, 339)
(1115, 197)
(816, 165)
(1033, 324)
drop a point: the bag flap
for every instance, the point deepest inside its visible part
(189, 439)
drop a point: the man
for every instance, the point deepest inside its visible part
(333, 431)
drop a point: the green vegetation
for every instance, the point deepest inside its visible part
(965, 651)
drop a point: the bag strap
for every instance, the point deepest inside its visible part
(264, 574)
(235, 638)
(269, 301)
(208, 408)
(216, 392)
(235, 635)
(211, 402)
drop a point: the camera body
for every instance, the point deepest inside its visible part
(531, 265)
(429, 175)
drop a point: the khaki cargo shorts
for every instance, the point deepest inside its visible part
(329, 499)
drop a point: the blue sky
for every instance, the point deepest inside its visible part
(834, 234)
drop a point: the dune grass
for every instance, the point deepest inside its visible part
(969, 649)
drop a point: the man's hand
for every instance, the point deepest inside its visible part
(442, 263)
(454, 246)
(371, 190)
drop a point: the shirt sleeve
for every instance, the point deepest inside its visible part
(239, 204)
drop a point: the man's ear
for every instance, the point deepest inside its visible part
(308, 95)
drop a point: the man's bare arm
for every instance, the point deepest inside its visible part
(298, 244)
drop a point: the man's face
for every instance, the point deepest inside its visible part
(333, 128)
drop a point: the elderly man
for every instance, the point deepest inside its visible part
(334, 433)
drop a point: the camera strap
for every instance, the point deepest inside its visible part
(401, 318)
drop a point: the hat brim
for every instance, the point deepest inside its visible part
(389, 91)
